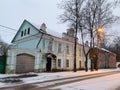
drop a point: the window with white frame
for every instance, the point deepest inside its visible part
(59, 62)
(43, 43)
(79, 64)
(67, 49)
(50, 45)
(80, 54)
(67, 63)
(59, 48)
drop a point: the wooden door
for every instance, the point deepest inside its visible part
(25, 63)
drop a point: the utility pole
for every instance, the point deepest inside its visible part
(76, 29)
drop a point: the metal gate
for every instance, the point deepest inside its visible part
(2, 64)
(25, 63)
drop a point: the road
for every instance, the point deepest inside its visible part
(48, 85)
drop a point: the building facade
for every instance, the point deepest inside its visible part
(106, 59)
(37, 49)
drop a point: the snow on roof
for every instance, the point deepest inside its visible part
(36, 25)
(54, 33)
(48, 31)
(105, 50)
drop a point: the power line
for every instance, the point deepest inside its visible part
(8, 27)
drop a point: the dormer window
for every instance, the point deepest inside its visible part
(21, 33)
(25, 32)
(28, 32)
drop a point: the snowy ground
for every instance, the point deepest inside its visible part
(102, 83)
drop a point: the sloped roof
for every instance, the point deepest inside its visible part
(103, 49)
(20, 27)
(48, 31)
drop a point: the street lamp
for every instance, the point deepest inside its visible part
(99, 31)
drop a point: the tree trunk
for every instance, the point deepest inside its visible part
(86, 62)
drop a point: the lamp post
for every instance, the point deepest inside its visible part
(99, 31)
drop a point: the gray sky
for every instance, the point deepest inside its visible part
(13, 12)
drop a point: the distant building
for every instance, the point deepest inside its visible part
(106, 59)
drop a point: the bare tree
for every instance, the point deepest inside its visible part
(115, 47)
(97, 14)
(72, 14)
(3, 48)
(87, 16)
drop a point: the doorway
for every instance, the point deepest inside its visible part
(48, 64)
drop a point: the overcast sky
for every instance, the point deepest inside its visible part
(13, 12)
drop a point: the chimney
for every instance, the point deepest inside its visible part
(43, 27)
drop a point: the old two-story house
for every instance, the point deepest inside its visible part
(37, 49)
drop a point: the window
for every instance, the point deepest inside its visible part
(28, 32)
(50, 45)
(59, 62)
(25, 32)
(80, 52)
(43, 43)
(67, 63)
(79, 64)
(67, 47)
(59, 48)
(21, 33)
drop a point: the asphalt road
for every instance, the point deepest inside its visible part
(47, 85)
